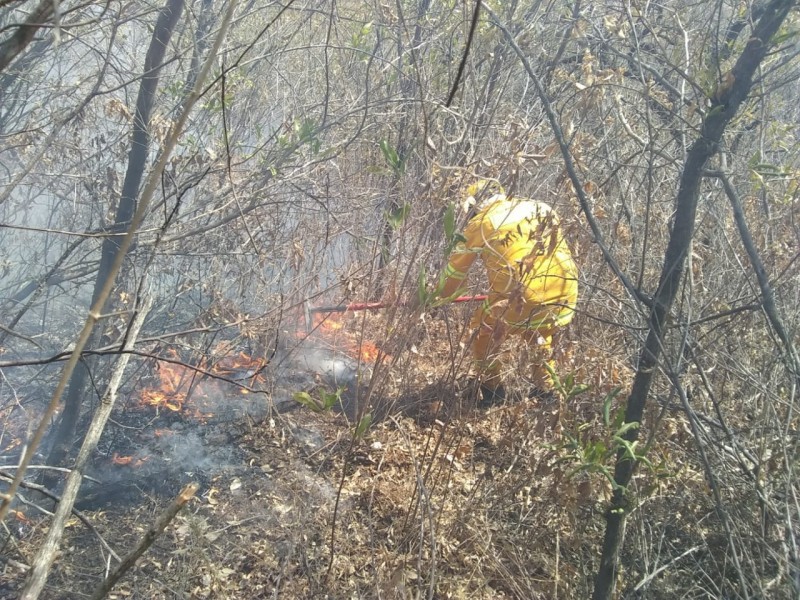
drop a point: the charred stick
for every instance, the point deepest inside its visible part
(155, 530)
(40, 567)
(48, 468)
(53, 496)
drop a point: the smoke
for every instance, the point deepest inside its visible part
(199, 441)
(309, 365)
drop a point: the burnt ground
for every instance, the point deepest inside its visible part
(436, 499)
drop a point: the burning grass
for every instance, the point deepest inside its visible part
(182, 385)
(346, 334)
(178, 382)
(128, 461)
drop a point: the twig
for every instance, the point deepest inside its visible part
(767, 292)
(663, 568)
(155, 530)
(470, 36)
(558, 555)
(569, 164)
(115, 350)
(49, 468)
(53, 496)
(27, 502)
(9, 331)
(425, 502)
(14, 563)
(145, 197)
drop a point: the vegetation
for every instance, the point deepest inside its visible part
(180, 180)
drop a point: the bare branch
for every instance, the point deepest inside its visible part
(569, 164)
(47, 551)
(767, 293)
(147, 540)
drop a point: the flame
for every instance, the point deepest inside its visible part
(11, 445)
(330, 324)
(128, 460)
(174, 384)
(332, 329)
(13, 430)
(176, 381)
(20, 516)
(236, 363)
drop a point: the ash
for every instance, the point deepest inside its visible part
(200, 443)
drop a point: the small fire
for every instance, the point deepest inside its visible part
(175, 381)
(20, 516)
(11, 444)
(328, 323)
(229, 364)
(331, 329)
(178, 381)
(128, 460)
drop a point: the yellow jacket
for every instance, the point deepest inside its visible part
(527, 261)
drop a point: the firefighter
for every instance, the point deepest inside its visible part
(532, 279)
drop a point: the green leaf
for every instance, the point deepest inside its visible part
(422, 286)
(330, 399)
(358, 38)
(557, 385)
(392, 158)
(768, 169)
(569, 382)
(305, 399)
(398, 214)
(783, 36)
(363, 425)
(625, 428)
(449, 223)
(607, 405)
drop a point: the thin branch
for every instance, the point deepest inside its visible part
(53, 496)
(47, 551)
(767, 293)
(155, 530)
(8, 331)
(475, 14)
(725, 103)
(24, 33)
(663, 568)
(39, 287)
(45, 468)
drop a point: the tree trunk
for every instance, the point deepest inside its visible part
(137, 161)
(732, 91)
(24, 33)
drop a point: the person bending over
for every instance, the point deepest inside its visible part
(532, 277)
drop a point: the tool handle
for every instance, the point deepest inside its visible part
(378, 305)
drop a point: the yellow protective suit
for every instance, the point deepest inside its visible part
(532, 278)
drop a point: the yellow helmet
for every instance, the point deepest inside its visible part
(480, 194)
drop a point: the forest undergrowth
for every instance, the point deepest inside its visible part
(438, 498)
